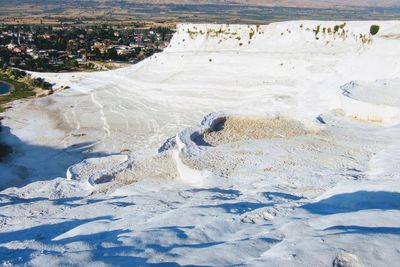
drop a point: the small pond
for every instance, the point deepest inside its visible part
(4, 88)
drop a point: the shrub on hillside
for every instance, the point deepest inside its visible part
(317, 30)
(251, 34)
(374, 29)
(336, 28)
(40, 82)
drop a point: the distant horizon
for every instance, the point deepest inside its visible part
(269, 3)
(89, 12)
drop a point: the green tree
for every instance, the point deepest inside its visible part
(71, 64)
(374, 29)
(336, 28)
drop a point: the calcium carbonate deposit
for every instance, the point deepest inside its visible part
(238, 145)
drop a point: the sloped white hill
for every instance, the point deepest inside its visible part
(294, 162)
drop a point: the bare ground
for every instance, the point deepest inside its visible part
(240, 128)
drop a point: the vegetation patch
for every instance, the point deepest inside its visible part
(317, 30)
(374, 29)
(18, 90)
(365, 39)
(251, 34)
(22, 86)
(336, 28)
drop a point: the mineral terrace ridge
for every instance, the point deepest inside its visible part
(271, 145)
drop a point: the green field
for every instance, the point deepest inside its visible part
(57, 12)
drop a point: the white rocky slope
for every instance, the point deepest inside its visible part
(297, 164)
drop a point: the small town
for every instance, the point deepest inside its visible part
(44, 48)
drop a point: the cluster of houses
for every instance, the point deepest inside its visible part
(44, 48)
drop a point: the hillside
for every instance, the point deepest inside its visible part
(130, 12)
(282, 3)
(271, 145)
(285, 3)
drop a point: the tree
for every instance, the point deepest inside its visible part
(70, 47)
(112, 54)
(42, 63)
(97, 52)
(39, 82)
(374, 29)
(73, 64)
(336, 28)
